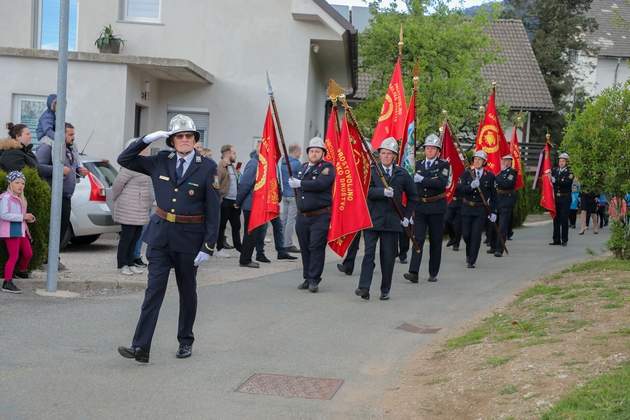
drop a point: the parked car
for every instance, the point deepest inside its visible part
(91, 214)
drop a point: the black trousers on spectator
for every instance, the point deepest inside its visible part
(572, 217)
(129, 235)
(278, 237)
(232, 215)
(249, 240)
(66, 203)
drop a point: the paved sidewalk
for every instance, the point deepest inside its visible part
(59, 359)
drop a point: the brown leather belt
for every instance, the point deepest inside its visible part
(433, 198)
(472, 203)
(504, 191)
(325, 210)
(177, 218)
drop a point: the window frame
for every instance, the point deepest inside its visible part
(16, 113)
(124, 18)
(38, 20)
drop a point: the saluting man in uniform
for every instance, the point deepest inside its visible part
(386, 224)
(562, 179)
(474, 213)
(505, 182)
(431, 179)
(181, 234)
(314, 200)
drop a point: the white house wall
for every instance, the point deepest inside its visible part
(96, 97)
(605, 73)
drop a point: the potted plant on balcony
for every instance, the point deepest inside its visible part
(107, 42)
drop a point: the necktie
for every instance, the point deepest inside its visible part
(478, 173)
(180, 169)
(389, 172)
(428, 164)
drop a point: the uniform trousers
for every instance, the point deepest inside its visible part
(387, 255)
(472, 227)
(312, 232)
(561, 221)
(453, 224)
(434, 224)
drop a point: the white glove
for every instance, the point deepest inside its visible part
(411, 220)
(492, 217)
(201, 258)
(388, 192)
(417, 178)
(553, 179)
(295, 183)
(158, 135)
(474, 183)
(405, 222)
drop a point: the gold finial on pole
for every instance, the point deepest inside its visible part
(416, 75)
(400, 41)
(334, 91)
(494, 86)
(482, 109)
(445, 114)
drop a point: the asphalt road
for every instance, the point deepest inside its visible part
(59, 358)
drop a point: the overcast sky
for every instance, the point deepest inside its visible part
(454, 3)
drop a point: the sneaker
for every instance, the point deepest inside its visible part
(9, 287)
(126, 271)
(136, 270)
(139, 263)
(223, 254)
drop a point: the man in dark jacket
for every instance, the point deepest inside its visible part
(314, 184)
(505, 182)
(474, 184)
(244, 202)
(386, 224)
(431, 180)
(46, 123)
(562, 179)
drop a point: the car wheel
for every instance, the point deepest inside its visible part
(85, 240)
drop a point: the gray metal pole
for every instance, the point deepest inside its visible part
(58, 149)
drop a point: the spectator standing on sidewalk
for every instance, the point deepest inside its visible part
(14, 230)
(228, 185)
(244, 201)
(17, 150)
(132, 193)
(72, 168)
(46, 123)
(288, 208)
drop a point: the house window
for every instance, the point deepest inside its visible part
(27, 109)
(141, 11)
(48, 25)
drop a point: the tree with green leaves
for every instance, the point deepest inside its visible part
(451, 49)
(598, 142)
(556, 29)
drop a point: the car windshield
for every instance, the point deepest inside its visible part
(103, 171)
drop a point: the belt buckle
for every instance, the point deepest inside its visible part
(170, 217)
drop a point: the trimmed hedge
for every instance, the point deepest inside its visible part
(37, 194)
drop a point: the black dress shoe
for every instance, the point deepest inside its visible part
(490, 251)
(286, 256)
(227, 246)
(303, 285)
(362, 293)
(498, 254)
(137, 353)
(184, 351)
(292, 249)
(450, 243)
(384, 296)
(412, 277)
(554, 243)
(455, 247)
(263, 258)
(139, 263)
(432, 279)
(343, 269)
(250, 264)
(470, 265)
(313, 288)
(564, 244)
(403, 260)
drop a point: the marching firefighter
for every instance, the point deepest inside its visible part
(315, 184)
(474, 184)
(431, 180)
(562, 179)
(505, 182)
(386, 223)
(181, 234)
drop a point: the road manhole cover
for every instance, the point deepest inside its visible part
(291, 386)
(418, 329)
